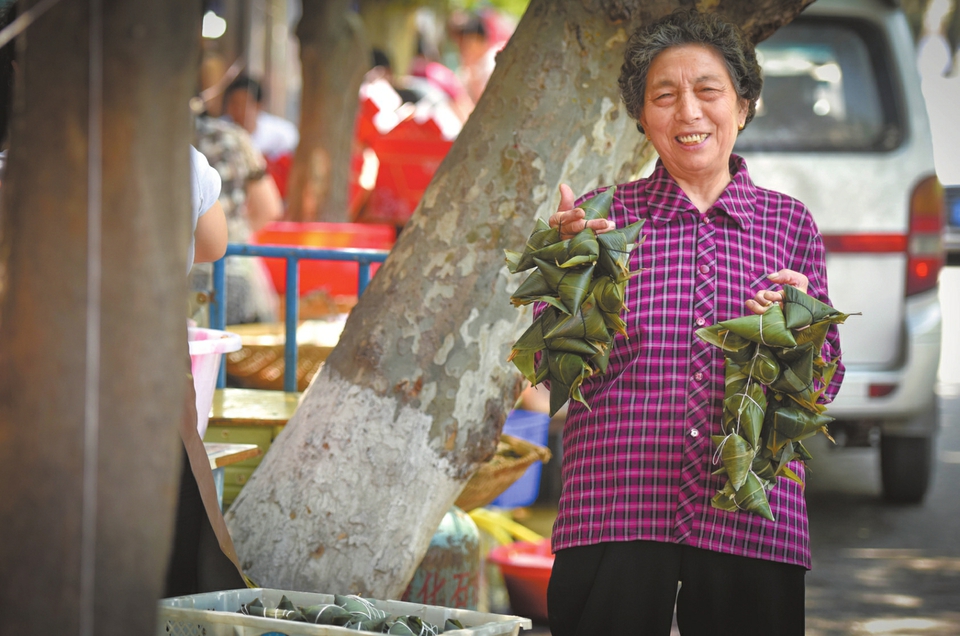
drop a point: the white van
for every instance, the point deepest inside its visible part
(841, 125)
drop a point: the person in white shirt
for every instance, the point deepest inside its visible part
(272, 135)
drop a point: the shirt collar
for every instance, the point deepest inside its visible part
(665, 198)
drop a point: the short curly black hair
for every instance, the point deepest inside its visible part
(689, 26)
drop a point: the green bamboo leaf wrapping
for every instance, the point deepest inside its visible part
(513, 260)
(583, 248)
(747, 410)
(359, 606)
(525, 361)
(533, 338)
(792, 384)
(785, 455)
(542, 236)
(573, 345)
(787, 473)
(608, 294)
(559, 394)
(598, 206)
(790, 355)
(576, 338)
(724, 502)
(532, 288)
(710, 335)
(801, 309)
(794, 423)
(615, 323)
(567, 372)
(807, 399)
(285, 603)
(792, 412)
(601, 360)
(325, 614)
(615, 248)
(816, 334)
(283, 615)
(736, 455)
(566, 368)
(825, 374)
(764, 466)
(735, 380)
(753, 498)
(359, 623)
(555, 253)
(571, 284)
(576, 395)
(735, 348)
(802, 451)
(764, 367)
(798, 371)
(402, 629)
(586, 323)
(767, 328)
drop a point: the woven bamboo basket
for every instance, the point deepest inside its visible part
(261, 366)
(513, 457)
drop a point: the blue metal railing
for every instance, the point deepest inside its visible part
(293, 255)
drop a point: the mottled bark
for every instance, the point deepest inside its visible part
(416, 392)
(334, 55)
(92, 335)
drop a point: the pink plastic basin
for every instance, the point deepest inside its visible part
(207, 346)
(526, 569)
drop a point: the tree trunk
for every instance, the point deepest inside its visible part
(417, 390)
(92, 351)
(334, 55)
(391, 26)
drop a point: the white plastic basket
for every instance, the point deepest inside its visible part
(215, 614)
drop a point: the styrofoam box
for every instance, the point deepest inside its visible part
(215, 614)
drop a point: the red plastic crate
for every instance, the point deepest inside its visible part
(334, 277)
(409, 156)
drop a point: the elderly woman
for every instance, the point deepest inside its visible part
(635, 518)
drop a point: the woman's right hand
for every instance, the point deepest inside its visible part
(570, 220)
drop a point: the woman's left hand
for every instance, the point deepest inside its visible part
(765, 299)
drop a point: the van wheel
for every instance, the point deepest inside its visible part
(905, 467)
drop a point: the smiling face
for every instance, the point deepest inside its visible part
(691, 113)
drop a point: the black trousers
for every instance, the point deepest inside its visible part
(630, 588)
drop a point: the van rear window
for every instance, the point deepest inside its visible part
(825, 88)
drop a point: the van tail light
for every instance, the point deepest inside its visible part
(925, 250)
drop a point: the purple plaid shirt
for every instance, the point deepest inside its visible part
(638, 466)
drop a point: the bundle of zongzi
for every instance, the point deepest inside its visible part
(581, 281)
(774, 377)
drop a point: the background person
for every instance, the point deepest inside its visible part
(250, 200)
(275, 137)
(202, 558)
(243, 105)
(477, 53)
(634, 517)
